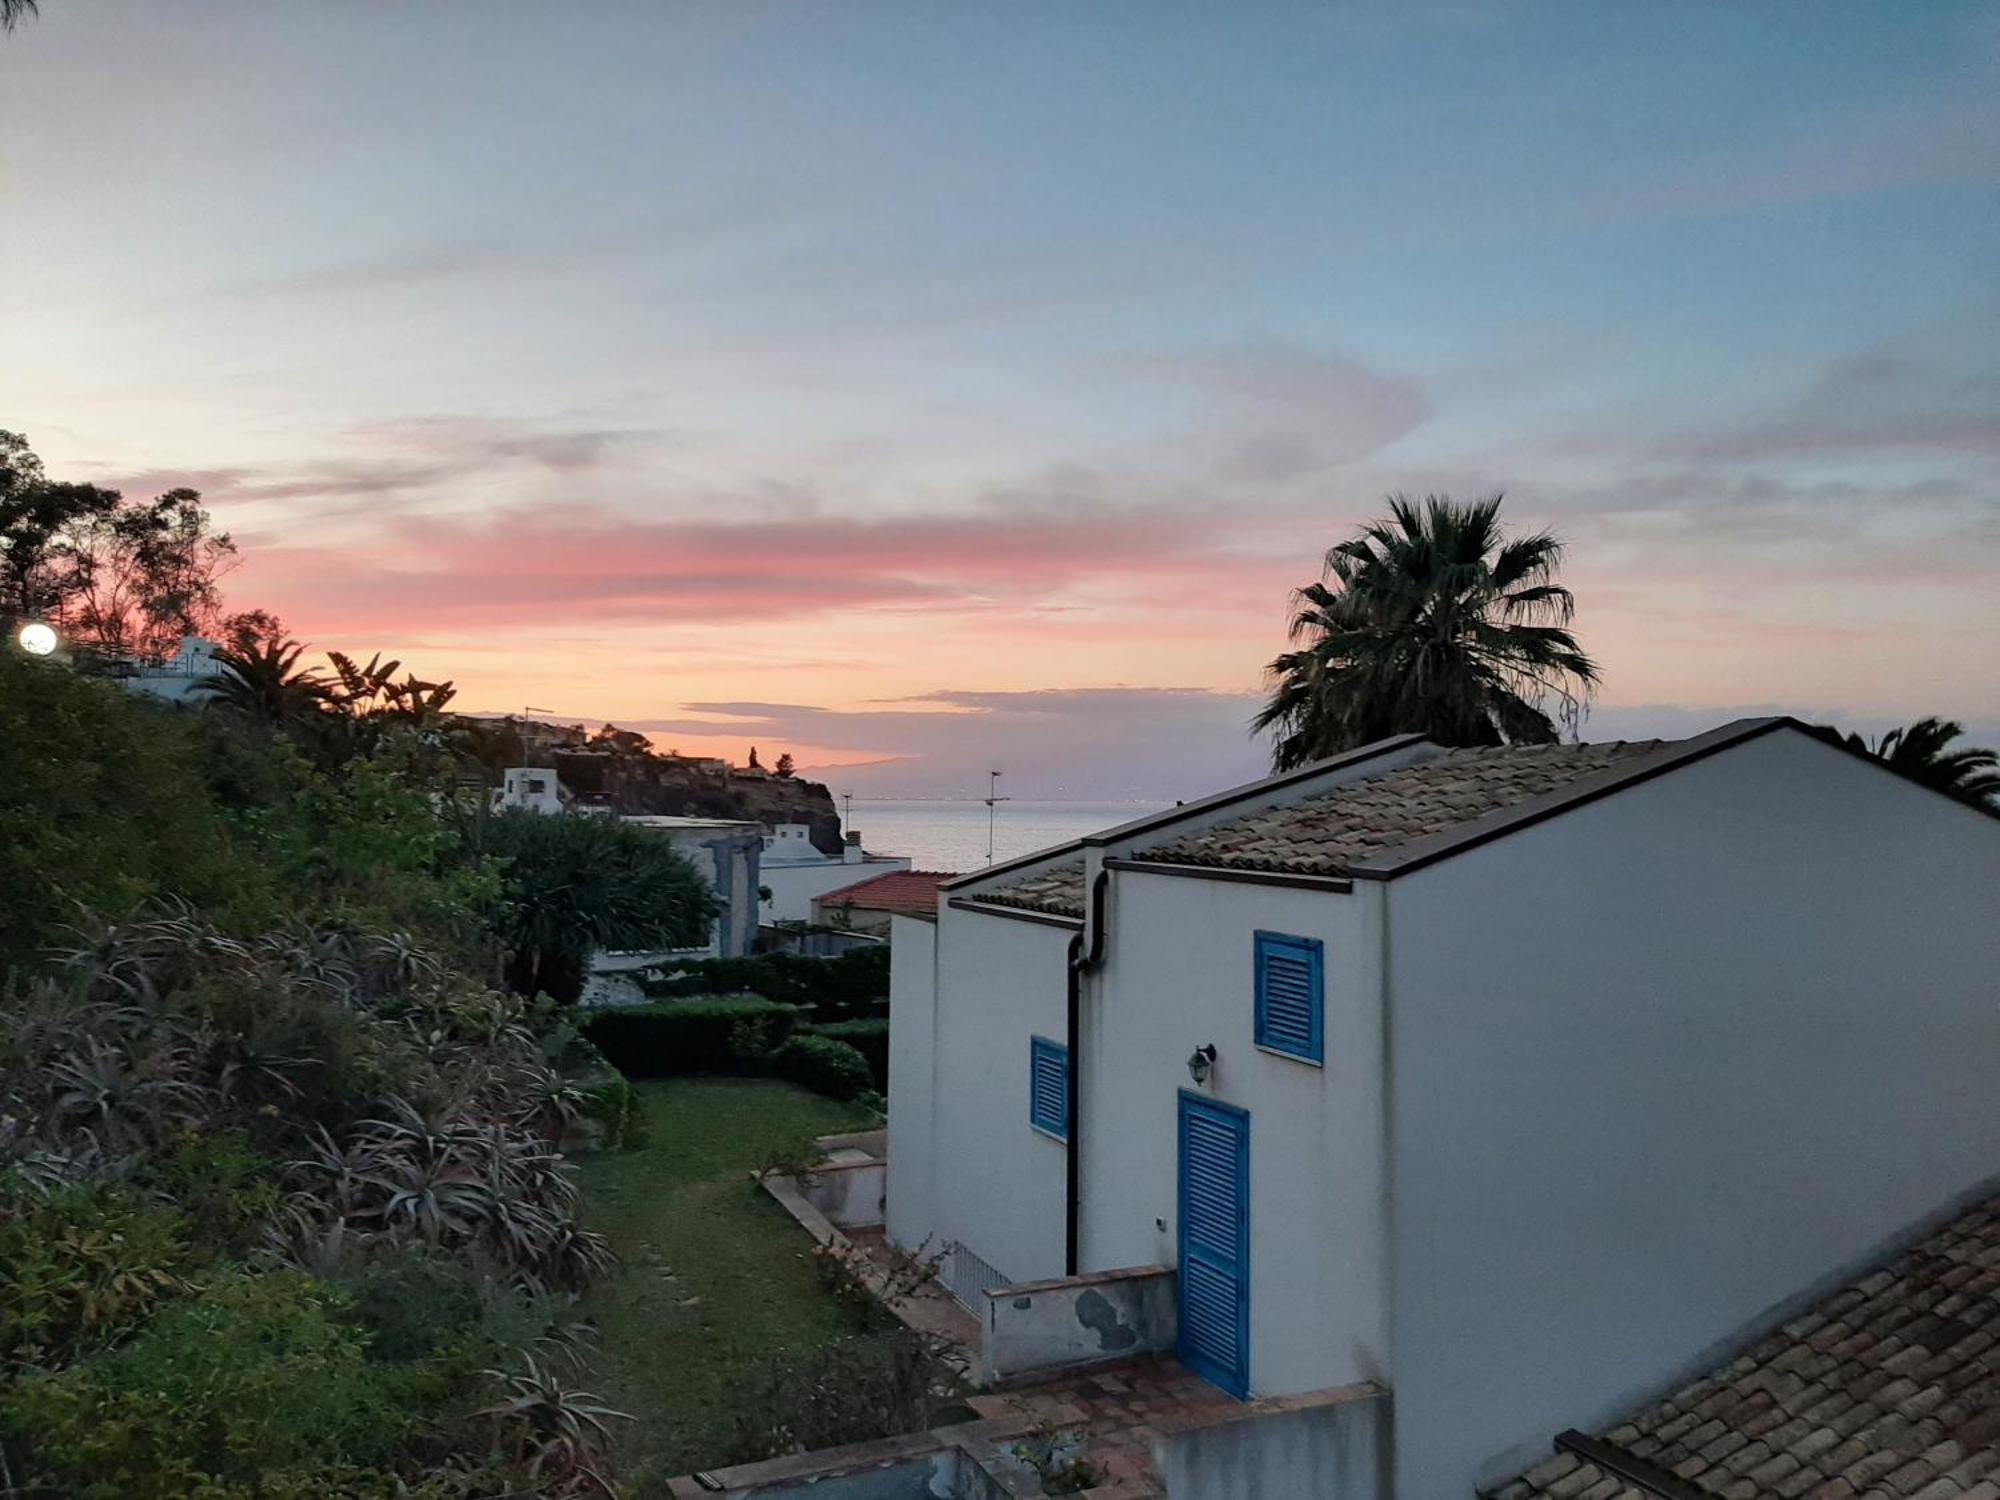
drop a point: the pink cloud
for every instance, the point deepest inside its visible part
(555, 563)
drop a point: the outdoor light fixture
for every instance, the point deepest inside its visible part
(38, 639)
(1200, 1061)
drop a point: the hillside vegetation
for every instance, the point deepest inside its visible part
(283, 1205)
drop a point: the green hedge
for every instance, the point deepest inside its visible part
(691, 1036)
(851, 987)
(823, 1065)
(869, 1038)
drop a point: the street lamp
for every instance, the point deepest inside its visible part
(38, 639)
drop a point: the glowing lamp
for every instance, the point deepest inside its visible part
(38, 639)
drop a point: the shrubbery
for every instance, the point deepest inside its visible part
(259, 1202)
(823, 1065)
(255, 1376)
(691, 1036)
(853, 986)
(732, 1036)
(280, 1191)
(869, 1038)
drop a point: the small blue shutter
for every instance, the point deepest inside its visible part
(1048, 1086)
(1291, 996)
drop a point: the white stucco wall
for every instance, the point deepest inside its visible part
(1178, 973)
(994, 1183)
(912, 1146)
(1661, 1064)
(793, 886)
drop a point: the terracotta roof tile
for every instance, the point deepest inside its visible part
(914, 891)
(1329, 833)
(1889, 1388)
(1057, 891)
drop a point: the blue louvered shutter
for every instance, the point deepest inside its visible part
(1048, 1086)
(1291, 996)
(1214, 1270)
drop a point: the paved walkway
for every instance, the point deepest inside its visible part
(1116, 1409)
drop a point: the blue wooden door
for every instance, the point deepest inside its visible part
(1215, 1242)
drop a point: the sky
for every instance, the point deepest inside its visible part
(932, 387)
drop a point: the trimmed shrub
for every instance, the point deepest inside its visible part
(823, 1065)
(691, 1036)
(850, 987)
(869, 1038)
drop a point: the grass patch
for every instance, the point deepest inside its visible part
(716, 1276)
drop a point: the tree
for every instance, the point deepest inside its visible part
(147, 574)
(624, 741)
(576, 884)
(261, 677)
(39, 521)
(371, 695)
(784, 766)
(1431, 622)
(12, 11)
(127, 578)
(1918, 751)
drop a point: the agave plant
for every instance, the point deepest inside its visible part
(396, 961)
(554, 1433)
(125, 1098)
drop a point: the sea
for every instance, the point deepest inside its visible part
(951, 835)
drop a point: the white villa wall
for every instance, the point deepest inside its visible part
(1178, 973)
(912, 1148)
(997, 1185)
(1663, 1063)
(793, 886)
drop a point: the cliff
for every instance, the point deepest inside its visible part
(619, 768)
(658, 784)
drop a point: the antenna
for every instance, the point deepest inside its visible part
(993, 800)
(531, 709)
(847, 809)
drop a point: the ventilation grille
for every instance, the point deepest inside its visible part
(968, 1278)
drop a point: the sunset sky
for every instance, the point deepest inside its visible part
(966, 384)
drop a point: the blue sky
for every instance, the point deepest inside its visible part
(918, 374)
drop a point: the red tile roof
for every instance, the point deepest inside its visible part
(913, 891)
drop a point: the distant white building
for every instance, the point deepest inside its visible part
(531, 789)
(795, 870)
(179, 677)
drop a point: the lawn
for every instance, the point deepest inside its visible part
(716, 1275)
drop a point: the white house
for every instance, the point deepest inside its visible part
(179, 678)
(1514, 1081)
(727, 851)
(795, 870)
(530, 788)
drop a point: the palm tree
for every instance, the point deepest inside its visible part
(1970, 774)
(1431, 622)
(12, 11)
(576, 884)
(260, 677)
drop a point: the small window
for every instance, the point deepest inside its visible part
(1048, 1087)
(536, 786)
(1291, 996)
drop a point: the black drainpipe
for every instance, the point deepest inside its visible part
(1079, 964)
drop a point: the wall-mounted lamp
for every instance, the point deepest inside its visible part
(1200, 1062)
